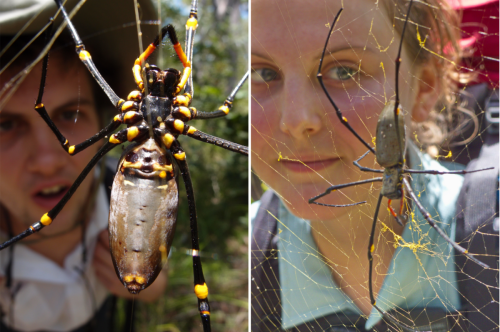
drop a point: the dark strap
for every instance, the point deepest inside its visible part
(477, 229)
(266, 307)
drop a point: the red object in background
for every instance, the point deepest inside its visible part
(479, 27)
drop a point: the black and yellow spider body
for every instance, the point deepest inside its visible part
(144, 197)
(390, 154)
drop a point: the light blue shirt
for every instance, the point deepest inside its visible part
(422, 278)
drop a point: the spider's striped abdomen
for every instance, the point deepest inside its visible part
(143, 214)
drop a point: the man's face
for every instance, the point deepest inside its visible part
(35, 171)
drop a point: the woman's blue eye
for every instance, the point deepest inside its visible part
(263, 75)
(341, 73)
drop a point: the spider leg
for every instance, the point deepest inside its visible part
(366, 169)
(52, 214)
(434, 225)
(200, 286)
(139, 62)
(87, 59)
(414, 171)
(341, 186)
(228, 145)
(398, 64)
(371, 249)
(224, 109)
(342, 118)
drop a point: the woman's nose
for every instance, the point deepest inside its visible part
(300, 109)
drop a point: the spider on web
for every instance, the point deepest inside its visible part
(390, 154)
(156, 115)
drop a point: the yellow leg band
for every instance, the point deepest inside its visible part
(168, 140)
(185, 76)
(132, 133)
(180, 156)
(179, 126)
(46, 220)
(201, 291)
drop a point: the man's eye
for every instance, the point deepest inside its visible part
(261, 75)
(7, 125)
(341, 73)
(69, 115)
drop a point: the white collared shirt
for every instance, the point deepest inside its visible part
(51, 297)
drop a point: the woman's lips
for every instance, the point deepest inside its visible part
(308, 166)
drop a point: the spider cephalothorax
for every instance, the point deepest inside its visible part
(162, 83)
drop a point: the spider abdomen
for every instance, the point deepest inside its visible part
(388, 152)
(143, 214)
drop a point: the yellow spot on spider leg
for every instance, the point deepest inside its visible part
(192, 130)
(168, 139)
(134, 95)
(179, 125)
(201, 291)
(180, 156)
(185, 111)
(132, 133)
(205, 312)
(84, 55)
(129, 115)
(372, 248)
(38, 105)
(192, 23)
(344, 119)
(224, 109)
(71, 149)
(114, 140)
(46, 220)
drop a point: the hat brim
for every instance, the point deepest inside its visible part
(107, 28)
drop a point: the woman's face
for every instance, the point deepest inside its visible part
(299, 146)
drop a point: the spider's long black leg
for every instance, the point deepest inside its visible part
(434, 225)
(341, 186)
(366, 169)
(228, 103)
(228, 145)
(398, 64)
(71, 149)
(414, 171)
(87, 59)
(200, 286)
(371, 249)
(52, 214)
(342, 118)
